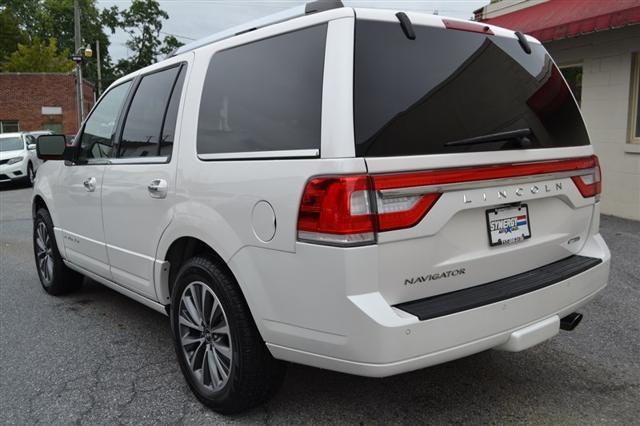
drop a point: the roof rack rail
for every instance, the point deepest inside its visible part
(285, 15)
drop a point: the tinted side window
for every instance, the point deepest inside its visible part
(169, 127)
(143, 125)
(264, 96)
(97, 137)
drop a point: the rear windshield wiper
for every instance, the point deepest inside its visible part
(520, 135)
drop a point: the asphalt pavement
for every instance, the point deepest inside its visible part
(96, 357)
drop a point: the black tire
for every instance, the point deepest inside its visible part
(31, 175)
(58, 279)
(253, 374)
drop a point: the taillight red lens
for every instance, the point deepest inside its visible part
(590, 184)
(337, 209)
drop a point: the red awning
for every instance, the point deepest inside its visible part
(558, 19)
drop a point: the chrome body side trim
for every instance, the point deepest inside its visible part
(293, 153)
(139, 160)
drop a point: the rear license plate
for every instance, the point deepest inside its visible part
(508, 225)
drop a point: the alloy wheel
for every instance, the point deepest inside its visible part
(44, 252)
(205, 336)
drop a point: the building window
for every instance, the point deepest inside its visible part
(8, 126)
(634, 119)
(573, 75)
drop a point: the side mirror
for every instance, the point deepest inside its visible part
(31, 146)
(51, 147)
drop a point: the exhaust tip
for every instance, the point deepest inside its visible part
(571, 321)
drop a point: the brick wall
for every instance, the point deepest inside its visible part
(22, 96)
(606, 89)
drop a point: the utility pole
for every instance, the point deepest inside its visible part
(99, 70)
(78, 42)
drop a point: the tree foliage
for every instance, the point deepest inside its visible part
(39, 56)
(45, 19)
(10, 33)
(142, 21)
(32, 23)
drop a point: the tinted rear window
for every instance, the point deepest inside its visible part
(264, 96)
(411, 97)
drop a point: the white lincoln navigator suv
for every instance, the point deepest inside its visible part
(366, 191)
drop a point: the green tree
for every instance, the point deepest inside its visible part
(10, 33)
(44, 19)
(28, 13)
(59, 23)
(142, 21)
(39, 56)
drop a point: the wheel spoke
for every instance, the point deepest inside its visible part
(43, 268)
(213, 369)
(203, 299)
(196, 295)
(194, 356)
(214, 308)
(204, 371)
(193, 311)
(221, 369)
(188, 340)
(40, 243)
(221, 329)
(223, 350)
(49, 266)
(186, 322)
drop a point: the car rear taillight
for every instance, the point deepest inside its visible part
(337, 210)
(351, 210)
(590, 184)
(400, 211)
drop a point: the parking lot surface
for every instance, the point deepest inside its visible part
(96, 357)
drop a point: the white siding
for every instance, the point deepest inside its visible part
(606, 58)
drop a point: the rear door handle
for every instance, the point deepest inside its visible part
(158, 188)
(90, 184)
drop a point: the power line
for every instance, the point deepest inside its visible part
(177, 35)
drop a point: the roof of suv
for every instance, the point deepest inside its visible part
(285, 15)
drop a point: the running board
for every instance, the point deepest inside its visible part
(116, 287)
(506, 288)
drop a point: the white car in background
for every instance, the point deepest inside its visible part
(18, 159)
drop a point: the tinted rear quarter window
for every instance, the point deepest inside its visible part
(265, 95)
(411, 97)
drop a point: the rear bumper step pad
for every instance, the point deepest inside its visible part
(495, 291)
